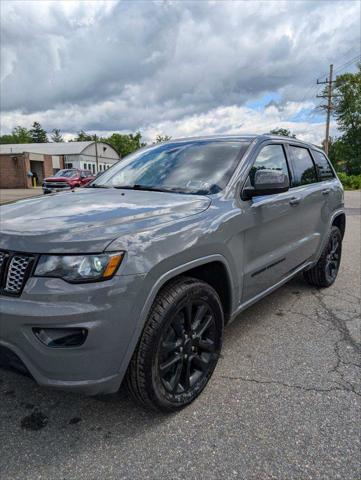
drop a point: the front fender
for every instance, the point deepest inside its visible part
(153, 283)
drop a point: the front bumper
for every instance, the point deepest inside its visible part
(108, 310)
(55, 189)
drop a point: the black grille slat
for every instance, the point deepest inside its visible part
(2, 260)
(14, 271)
(56, 185)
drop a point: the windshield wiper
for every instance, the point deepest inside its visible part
(149, 188)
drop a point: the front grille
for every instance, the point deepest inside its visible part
(56, 185)
(14, 271)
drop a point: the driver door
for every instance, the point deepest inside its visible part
(273, 229)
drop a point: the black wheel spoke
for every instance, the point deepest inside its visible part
(168, 364)
(201, 363)
(188, 318)
(206, 345)
(178, 327)
(186, 374)
(201, 311)
(203, 328)
(175, 380)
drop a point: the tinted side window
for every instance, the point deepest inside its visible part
(271, 157)
(323, 167)
(302, 167)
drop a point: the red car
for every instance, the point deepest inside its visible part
(67, 179)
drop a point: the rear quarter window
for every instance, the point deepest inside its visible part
(303, 168)
(323, 166)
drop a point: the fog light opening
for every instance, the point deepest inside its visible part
(61, 337)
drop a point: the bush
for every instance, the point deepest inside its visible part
(350, 182)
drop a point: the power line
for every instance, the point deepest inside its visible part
(348, 63)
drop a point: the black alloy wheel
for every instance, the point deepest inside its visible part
(333, 257)
(179, 346)
(324, 273)
(188, 349)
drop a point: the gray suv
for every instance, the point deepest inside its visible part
(136, 275)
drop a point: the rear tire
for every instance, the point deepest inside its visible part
(324, 273)
(179, 346)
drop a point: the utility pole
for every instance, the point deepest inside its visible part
(328, 107)
(96, 152)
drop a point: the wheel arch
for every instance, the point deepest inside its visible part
(215, 274)
(212, 269)
(339, 221)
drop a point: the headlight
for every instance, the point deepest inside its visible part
(79, 268)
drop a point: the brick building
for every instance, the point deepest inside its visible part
(17, 160)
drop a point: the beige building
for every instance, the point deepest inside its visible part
(45, 159)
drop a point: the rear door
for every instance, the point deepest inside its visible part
(330, 188)
(273, 229)
(311, 209)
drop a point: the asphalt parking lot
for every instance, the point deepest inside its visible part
(284, 402)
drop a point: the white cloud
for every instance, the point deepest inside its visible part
(179, 67)
(236, 120)
(220, 120)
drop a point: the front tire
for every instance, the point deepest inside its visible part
(324, 273)
(179, 346)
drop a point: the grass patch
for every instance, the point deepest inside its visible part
(350, 182)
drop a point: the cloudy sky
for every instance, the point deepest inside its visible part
(172, 67)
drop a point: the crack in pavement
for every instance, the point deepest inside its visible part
(334, 323)
(338, 323)
(342, 388)
(340, 326)
(340, 362)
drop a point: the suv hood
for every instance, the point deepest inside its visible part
(87, 220)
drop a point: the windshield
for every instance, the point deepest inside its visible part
(66, 173)
(198, 166)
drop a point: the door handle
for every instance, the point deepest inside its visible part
(294, 201)
(326, 191)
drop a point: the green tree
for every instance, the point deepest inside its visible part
(18, 135)
(341, 154)
(38, 134)
(56, 136)
(125, 144)
(83, 136)
(162, 138)
(345, 152)
(284, 132)
(7, 138)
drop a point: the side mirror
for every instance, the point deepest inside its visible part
(267, 182)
